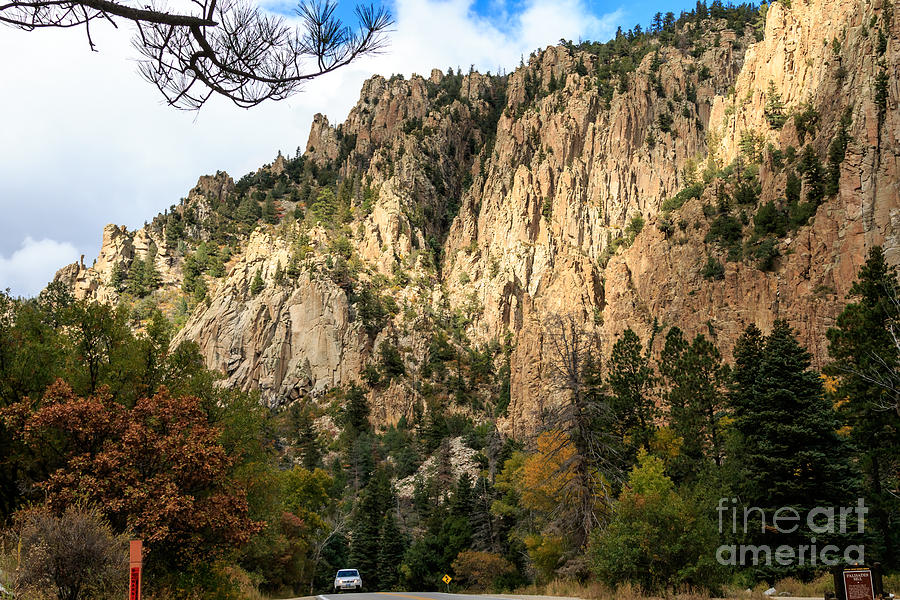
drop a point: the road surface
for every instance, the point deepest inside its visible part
(422, 596)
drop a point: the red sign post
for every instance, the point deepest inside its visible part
(135, 563)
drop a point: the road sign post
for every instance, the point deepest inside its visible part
(447, 579)
(135, 563)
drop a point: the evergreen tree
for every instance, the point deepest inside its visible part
(391, 549)
(813, 175)
(152, 279)
(863, 350)
(630, 380)
(268, 211)
(136, 278)
(307, 438)
(119, 278)
(693, 376)
(257, 284)
(355, 413)
(786, 444)
(774, 110)
(580, 427)
(365, 541)
(200, 290)
(484, 536)
(279, 274)
(792, 190)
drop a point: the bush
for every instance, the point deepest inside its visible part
(657, 538)
(765, 254)
(73, 555)
(633, 228)
(713, 269)
(769, 219)
(725, 231)
(678, 200)
(481, 569)
(806, 121)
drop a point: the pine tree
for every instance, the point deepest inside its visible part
(152, 278)
(786, 444)
(774, 109)
(391, 549)
(863, 351)
(136, 278)
(257, 284)
(355, 413)
(119, 277)
(693, 376)
(365, 541)
(630, 380)
(307, 438)
(580, 427)
(279, 274)
(484, 536)
(268, 211)
(813, 176)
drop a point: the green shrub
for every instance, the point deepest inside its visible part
(678, 200)
(633, 228)
(713, 269)
(806, 121)
(657, 538)
(765, 254)
(770, 219)
(725, 231)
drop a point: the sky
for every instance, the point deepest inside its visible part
(85, 141)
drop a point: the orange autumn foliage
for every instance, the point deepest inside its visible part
(157, 471)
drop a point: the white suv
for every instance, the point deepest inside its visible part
(347, 579)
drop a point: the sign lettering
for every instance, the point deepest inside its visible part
(858, 585)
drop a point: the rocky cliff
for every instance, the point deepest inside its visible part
(728, 169)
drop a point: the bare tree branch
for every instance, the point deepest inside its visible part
(577, 424)
(226, 47)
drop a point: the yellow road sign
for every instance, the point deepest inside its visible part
(447, 579)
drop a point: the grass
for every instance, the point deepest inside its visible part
(598, 591)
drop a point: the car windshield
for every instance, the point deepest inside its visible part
(348, 573)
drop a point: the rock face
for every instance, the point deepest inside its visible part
(495, 203)
(286, 342)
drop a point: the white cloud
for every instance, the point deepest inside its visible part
(32, 266)
(86, 142)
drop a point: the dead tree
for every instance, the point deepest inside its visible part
(229, 48)
(579, 423)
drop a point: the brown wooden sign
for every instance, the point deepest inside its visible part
(858, 584)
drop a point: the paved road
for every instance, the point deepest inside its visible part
(418, 596)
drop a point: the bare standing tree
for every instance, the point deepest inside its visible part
(578, 423)
(231, 48)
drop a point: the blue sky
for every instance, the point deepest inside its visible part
(91, 143)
